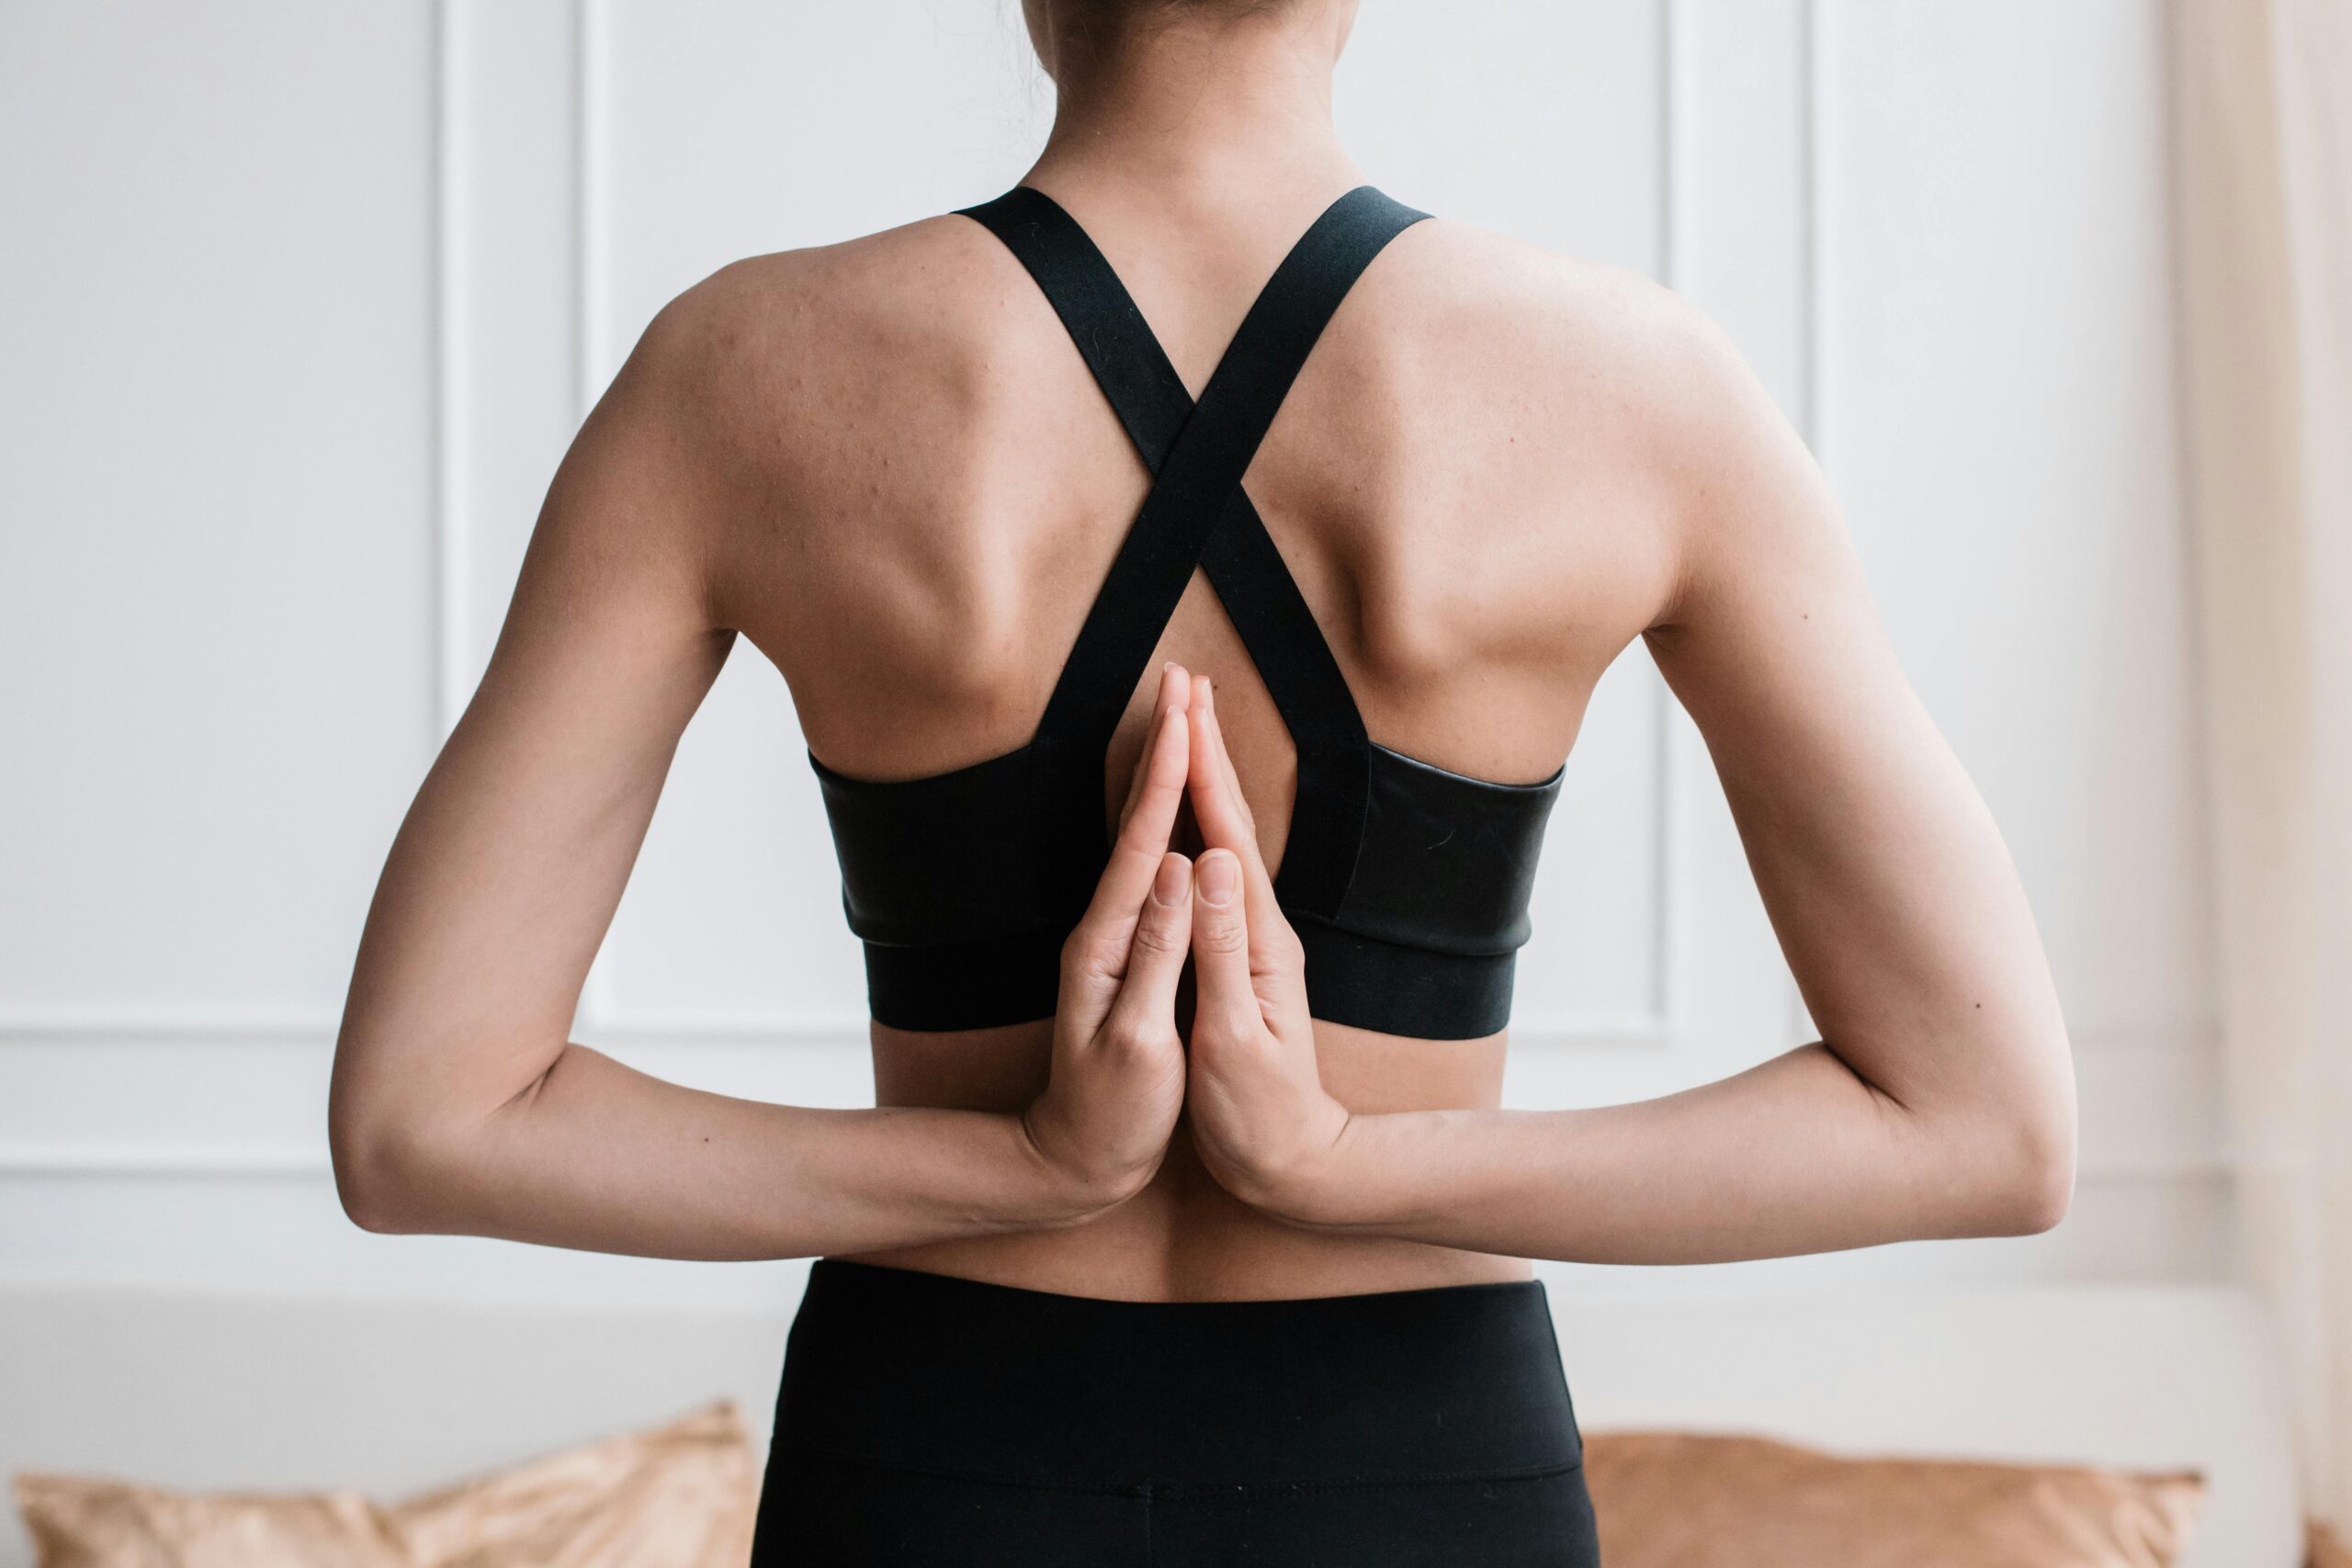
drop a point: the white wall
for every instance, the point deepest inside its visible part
(299, 305)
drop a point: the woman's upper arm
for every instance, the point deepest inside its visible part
(1893, 896)
(505, 873)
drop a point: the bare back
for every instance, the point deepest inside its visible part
(942, 486)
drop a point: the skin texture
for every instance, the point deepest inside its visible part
(883, 465)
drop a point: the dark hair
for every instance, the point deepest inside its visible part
(1096, 28)
(1120, 13)
(1123, 8)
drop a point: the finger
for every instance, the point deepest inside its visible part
(1224, 1002)
(1145, 1008)
(1210, 782)
(1095, 953)
(1175, 691)
(1143, 838)
(1219, 810)
(1276, 955)
(1225, 757)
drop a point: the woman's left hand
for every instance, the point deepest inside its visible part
(1261, 1121)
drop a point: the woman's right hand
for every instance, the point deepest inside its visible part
(1116, 1082)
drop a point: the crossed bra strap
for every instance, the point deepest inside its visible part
(1197, 515)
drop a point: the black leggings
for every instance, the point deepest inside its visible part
(930, 1419)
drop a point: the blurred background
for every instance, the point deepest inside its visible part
(302, 303)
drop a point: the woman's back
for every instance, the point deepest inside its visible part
(918, 470)
(948, 485)
(934, 487)
(890, 464)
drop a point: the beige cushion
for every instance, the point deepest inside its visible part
(682, 1496)
(1681, 1500)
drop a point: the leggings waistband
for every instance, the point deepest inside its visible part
(896, 1366)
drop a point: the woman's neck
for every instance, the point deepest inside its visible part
(1201, 111)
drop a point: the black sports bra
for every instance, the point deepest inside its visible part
(1407, 883)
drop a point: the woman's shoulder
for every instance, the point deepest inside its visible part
(939, 299)
(926, 282)
(1593, 366)
(1561, 318)
(799, 338)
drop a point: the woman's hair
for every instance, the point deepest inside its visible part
(1114, 17)
(1124, 9)
(1082, 30)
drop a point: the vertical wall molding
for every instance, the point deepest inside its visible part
(1673, 138)
(519, 195)
(451, 561)
(508, 126)
(1811, 303)
(591, 98)
(1668, 864)
(1812, 128)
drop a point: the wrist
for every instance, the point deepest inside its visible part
(1321, 1184)
(1064, 1193)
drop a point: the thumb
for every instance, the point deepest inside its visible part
(1163, 932)
(1226, 1003)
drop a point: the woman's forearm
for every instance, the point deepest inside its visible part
(1796, 1155)
(601, 1157)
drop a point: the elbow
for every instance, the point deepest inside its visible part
(411, 1158)
(388, 1165)
(376, 1180)
(1997, 1162)
(2037, 1193)
(2025, 1167)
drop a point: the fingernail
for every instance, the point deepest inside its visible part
(1168, 887)
(1219, 873)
